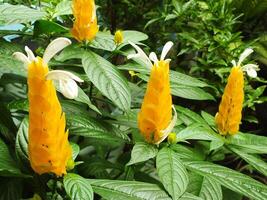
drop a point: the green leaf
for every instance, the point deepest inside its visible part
(172, 172)
(8, 166)
(198, 132)
(133, 36)
(141, 152)
(96, 166)
(188, 92)
(127, 190)
(192, 115)
(204, 187)
(229, 178)
(188, 196)
(183, 79)
(176, 78)
(210, 190)
(7, 63)
(22, 141)
(253, 160)
(82, 97)
(75, 150)
(104, 41)
(249, 143)
(89, 127)
(107, 79)
(10, 189)
(186, 153)
(77, 187)
(48, 27)
(70, 52)
(63, 8)
(208, 118)
(15, 14)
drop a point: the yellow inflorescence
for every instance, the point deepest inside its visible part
(49, 149)
(156, 110)
(85, 26)
(118, 37)
(230, 110)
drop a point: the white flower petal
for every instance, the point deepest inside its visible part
(251, 70)
(233, 63)
(68, 88)
(62, 75)
(54, 47)
(244, 55)
(170, 127)
(30, 54)
(252, 73)
(21, 57)
(153, 57)
(140, 54)
(166, 50)
(131, 56)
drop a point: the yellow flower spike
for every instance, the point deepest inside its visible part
(155, 117)
(118, 37)
(85, 25)
(49, 148)
(229, 115)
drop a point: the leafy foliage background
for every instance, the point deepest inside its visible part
(112, 160)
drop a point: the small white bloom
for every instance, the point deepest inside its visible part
(140, 54)
(170, 127)
(251, 69)
(54, 47)
(244, 55)
(67, 85)
(152, 56)
(166, 50)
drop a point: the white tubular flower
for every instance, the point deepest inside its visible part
(170, 127)
(251, 69)
(152, 56)
(67, 84)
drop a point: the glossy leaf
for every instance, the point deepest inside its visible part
(15, 14)
(229, 178)
(107, 79)
(127, 190)
(172, 172)
(141, 152)
(77, 187)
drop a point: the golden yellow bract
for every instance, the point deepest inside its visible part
(85, 25)
(49, 149)
(229, 116)
(156, 111)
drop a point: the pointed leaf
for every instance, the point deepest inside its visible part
(127, 190)
(141, 152)
(107, 79)
(229, 178)
(172, 172)
(78, 187)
